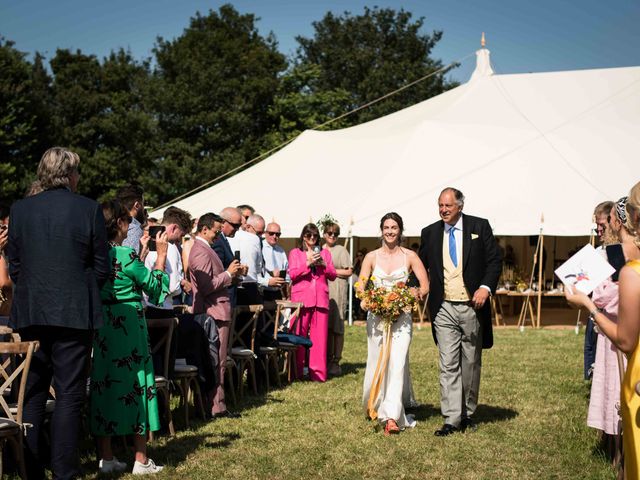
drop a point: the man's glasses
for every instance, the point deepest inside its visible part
(277, 234)
(332, 234)
(257, 232)
(234, 225)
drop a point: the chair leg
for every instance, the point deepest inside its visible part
(166, 397)
(254, 384)
(266, 363)
(18, 450)
(274, 363)
(229, 375)
(241, 368)
(185, 398)
(197, 398)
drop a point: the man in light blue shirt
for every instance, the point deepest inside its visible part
(275, 261)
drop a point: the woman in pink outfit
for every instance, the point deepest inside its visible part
(309, 269)
(604, 402)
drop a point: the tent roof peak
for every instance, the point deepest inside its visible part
(483, 61)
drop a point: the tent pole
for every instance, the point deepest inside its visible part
(540, 279)
(351, 282)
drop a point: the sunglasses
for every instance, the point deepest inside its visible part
(277, 234)
(332, 234)
(234, 225)
(310, 235)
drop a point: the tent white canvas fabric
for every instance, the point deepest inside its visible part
(519, 146)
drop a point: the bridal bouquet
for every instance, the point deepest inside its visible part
(387, 302)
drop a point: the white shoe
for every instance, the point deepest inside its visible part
(144, 469)
(111, 466)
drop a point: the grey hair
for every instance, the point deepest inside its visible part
(56, 167)
(255, 219)
(459, 196)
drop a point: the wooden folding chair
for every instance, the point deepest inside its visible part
(14, 368)
(269, 354)
(287, 314)
(241, 352)
(165, 328)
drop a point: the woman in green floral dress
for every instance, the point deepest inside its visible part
(123, 393)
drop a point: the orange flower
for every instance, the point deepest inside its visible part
(393, 296)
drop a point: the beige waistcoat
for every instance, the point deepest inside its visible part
(454, 288)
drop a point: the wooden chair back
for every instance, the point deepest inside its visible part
(270, 319)
(165, 328)
(287, 315)
(238, 331)
(13, 369)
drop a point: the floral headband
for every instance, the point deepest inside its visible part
(621, 209)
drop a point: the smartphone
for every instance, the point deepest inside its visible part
(153, 232)
(236, 255)
(282, 274)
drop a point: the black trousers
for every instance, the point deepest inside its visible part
(63, 356)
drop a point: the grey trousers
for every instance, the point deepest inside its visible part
(460, 346)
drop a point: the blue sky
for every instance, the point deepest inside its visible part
(523, 36)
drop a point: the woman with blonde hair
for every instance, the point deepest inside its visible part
(624, 335)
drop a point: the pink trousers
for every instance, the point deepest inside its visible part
(314, 323)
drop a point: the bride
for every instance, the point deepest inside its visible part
(388, 390)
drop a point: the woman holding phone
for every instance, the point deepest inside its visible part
(123, 393)
(310, 268)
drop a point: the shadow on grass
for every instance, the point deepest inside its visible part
(424, 411)
(173, 451)
(492, 414)
(351, 368)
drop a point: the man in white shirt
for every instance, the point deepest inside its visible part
(177, 223)
(275, 261)
(247, 242)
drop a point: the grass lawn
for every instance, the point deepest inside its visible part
(531, 423)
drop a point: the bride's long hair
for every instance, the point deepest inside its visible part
(396, 218)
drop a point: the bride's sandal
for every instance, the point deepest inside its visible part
(391, 428)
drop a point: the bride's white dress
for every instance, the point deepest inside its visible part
(396, 390)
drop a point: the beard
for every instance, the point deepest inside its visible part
(141, 216)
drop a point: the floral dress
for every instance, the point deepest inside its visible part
(123, 392)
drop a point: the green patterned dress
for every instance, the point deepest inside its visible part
(123, 392)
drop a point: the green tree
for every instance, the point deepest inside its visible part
(214, 86)
(300, 104)
(370, 55)
(99, 111)
(23, 126)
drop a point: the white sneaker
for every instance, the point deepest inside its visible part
(144, 469)
(111, 466)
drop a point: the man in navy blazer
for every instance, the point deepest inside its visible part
(58, 260)
(464, 264)
(231, 223)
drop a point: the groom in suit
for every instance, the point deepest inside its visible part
(464, 264)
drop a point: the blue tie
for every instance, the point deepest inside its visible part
(452, 247)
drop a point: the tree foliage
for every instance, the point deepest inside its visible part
(99, 111)
(23, 119)
(214, 87)
(370, 55)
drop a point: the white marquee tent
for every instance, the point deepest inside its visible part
(519, 146)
